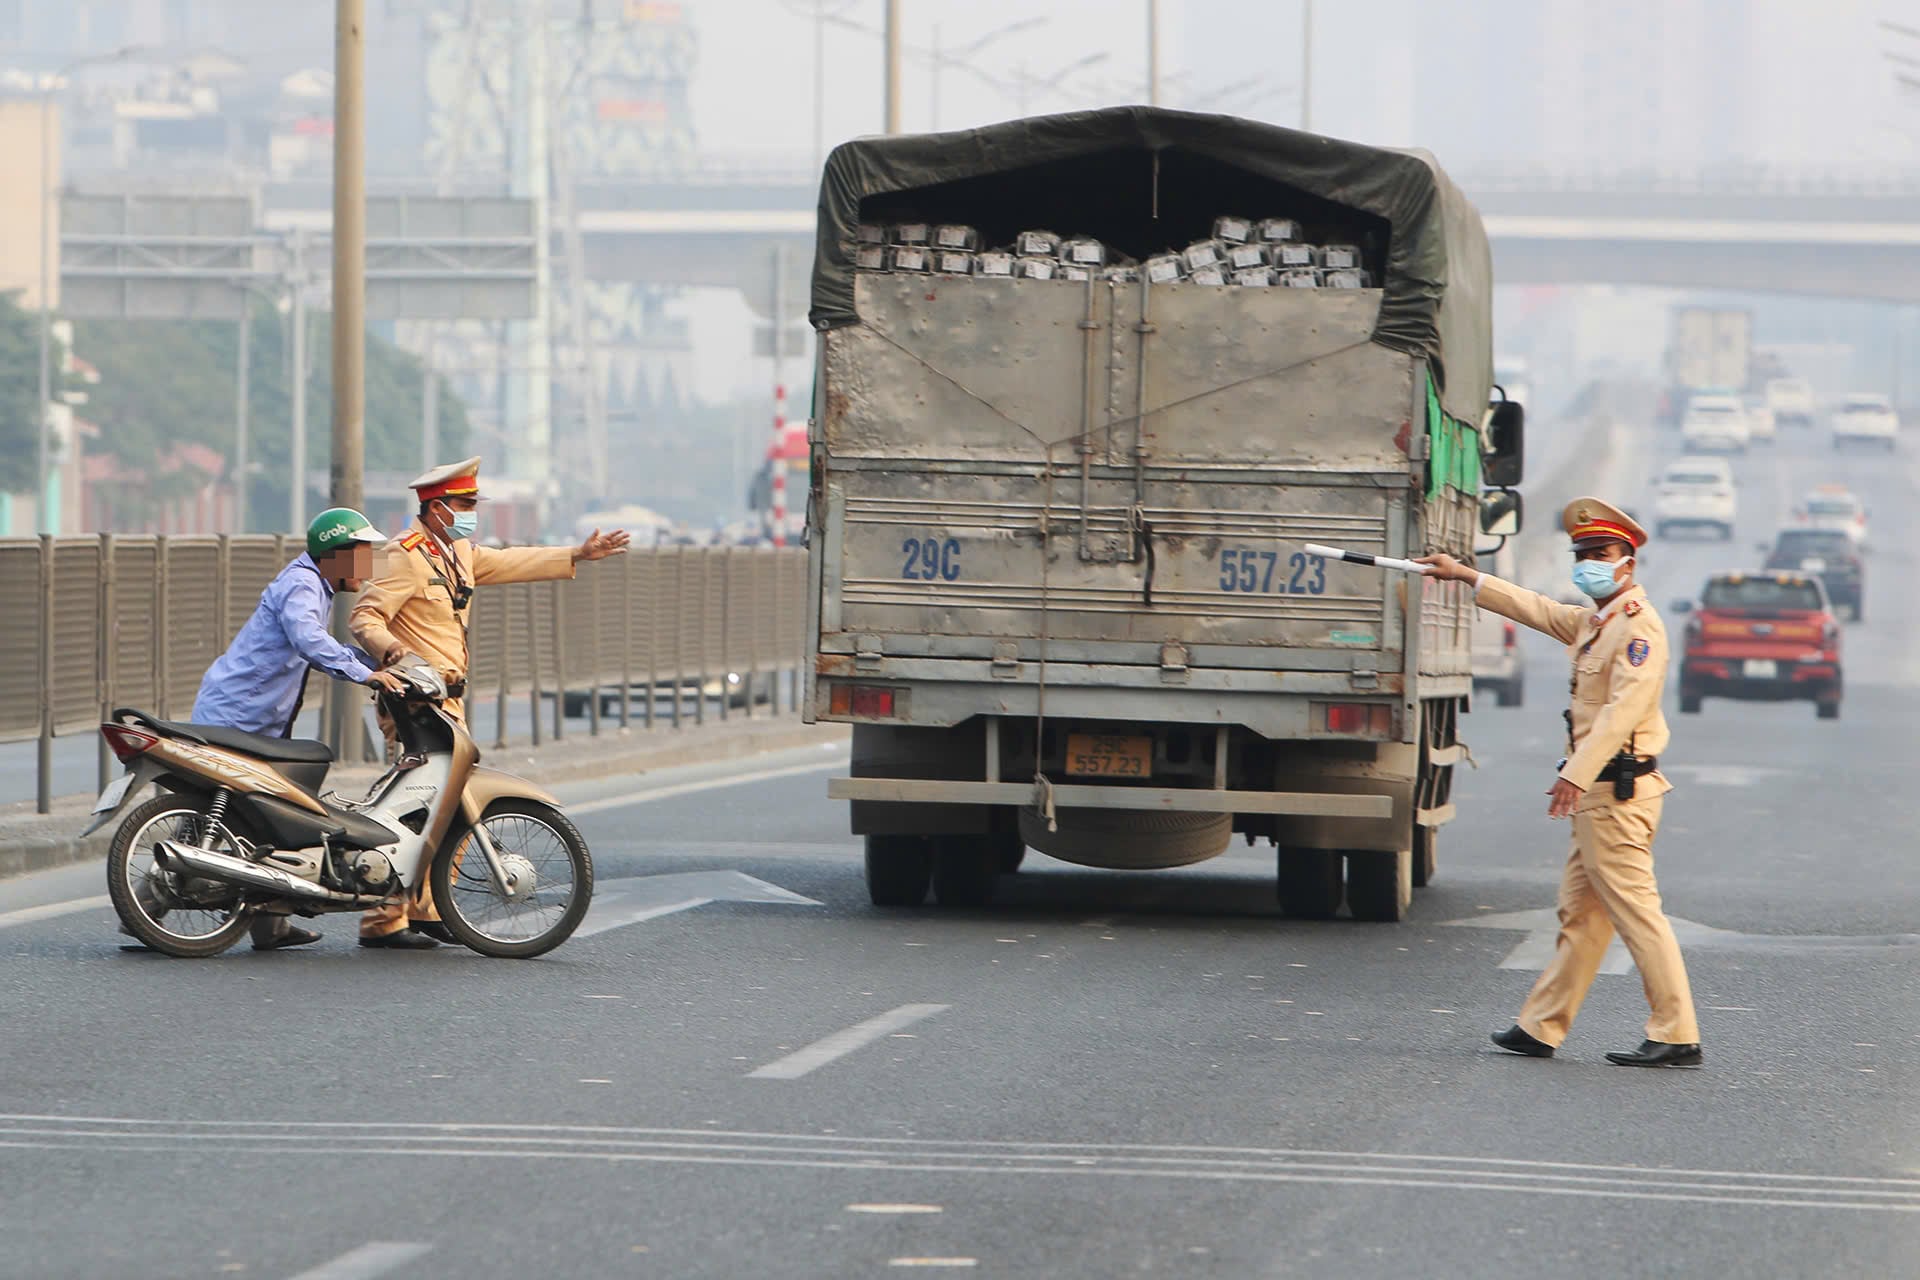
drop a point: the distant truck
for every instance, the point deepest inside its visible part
(1710, 350)
(1062, 488)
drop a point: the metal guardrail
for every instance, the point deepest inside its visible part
(135, 620)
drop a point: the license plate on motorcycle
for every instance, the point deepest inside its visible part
(1760, 669)
(1103, 755)
(116, 792)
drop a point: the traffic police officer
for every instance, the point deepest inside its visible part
(1609, 785)
(419, 605)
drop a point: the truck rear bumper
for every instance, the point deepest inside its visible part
(1085, 796)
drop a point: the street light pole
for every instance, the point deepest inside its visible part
(1306, 66)
(349, 309)
(1153, 53)
(892, 121)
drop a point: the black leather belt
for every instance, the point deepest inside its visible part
(1641, 768)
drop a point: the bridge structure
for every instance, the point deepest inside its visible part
(1835, 237)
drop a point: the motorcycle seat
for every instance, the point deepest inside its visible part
(257, 745)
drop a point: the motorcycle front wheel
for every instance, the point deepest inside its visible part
(177, 915)
(550, 886)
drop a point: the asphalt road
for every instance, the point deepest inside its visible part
(1103, 1075)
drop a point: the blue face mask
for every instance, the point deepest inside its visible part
(465, 524)
(1595, 577)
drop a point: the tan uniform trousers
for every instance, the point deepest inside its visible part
(377, 922)
(1608, 884)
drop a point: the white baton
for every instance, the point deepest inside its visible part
(1361, 557)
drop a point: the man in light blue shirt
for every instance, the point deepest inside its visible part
(259, 683)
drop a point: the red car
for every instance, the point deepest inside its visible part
(1767, 636)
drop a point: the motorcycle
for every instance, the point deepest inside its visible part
(241, 827)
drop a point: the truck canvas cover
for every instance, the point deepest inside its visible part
(1144, 179)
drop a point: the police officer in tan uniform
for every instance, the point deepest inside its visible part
(419, 605)
(1609, 785)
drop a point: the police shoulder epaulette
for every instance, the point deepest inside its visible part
(412, 540)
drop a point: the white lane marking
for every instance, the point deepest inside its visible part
(376, 1258)
(1535, 952)
(631, 900)
(27, 915)
(895, 1208)
(704, 784)
(957, 1263)
(1543, 926)
(841, 1043)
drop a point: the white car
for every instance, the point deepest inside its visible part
(1760, 420)
(1695, 493)
(1715, 423)
(1791, 400)
(1833, 507)
(1866, 418)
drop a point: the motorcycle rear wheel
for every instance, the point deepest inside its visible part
(193, 926)
(535, 839)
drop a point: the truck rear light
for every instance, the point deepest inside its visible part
(869, 701)
(1356, 717)
(126, 743)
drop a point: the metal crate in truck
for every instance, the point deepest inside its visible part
(1064, 474)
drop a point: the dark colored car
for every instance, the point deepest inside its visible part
(1766, 637)
(1832, 557)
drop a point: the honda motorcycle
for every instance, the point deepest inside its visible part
(241, 827)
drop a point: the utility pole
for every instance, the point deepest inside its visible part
(297, 341)
(892, 123)
(349, 310)
(1153, 53)
(819, 84)
(1306, 66)
(240, 394)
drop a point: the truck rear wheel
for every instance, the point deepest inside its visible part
(899, 869)
(1309, 882)
(1426, 855)
(964, 869)
(1379, 885)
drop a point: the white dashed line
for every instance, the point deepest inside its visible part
(841, 1043)
(374, 1259)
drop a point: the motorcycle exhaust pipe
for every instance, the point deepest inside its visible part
(187, 860)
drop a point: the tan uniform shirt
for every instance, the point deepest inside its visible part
(410, 605)
(1619, 672)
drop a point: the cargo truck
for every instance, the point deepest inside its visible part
(1058, 514)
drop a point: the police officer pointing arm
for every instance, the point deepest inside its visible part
(1609, 784)
(420, 605)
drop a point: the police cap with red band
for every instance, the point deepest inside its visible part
(1593, 523)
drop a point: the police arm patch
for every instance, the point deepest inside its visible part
(1637, 651)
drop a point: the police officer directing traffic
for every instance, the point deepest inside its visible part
(419, 605)
(1609, 785)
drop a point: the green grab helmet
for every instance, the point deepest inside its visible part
(339, 527)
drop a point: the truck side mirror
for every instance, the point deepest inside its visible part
(1505, 445)
(1500, 513)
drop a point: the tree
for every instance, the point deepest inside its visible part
(168, 382)
(19, 395)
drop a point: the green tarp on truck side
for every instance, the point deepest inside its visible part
(1143, 179)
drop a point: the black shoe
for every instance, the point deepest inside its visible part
(1514, 1040)
(1652, 1053)
(434, 929)
(276, 932)
(404, 940)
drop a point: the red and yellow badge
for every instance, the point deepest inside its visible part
(1630, 608)
(1637, 651)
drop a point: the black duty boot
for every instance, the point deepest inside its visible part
(1514, 1040)
(1652, 1053)
(403, 940)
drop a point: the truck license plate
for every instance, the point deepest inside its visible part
(1760, 669)
(1102, 755)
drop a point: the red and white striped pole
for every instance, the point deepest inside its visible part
(779, 463)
